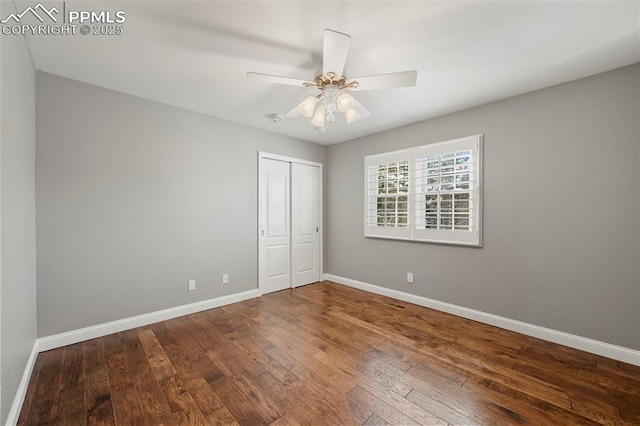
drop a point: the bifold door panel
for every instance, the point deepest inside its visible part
(305, 220)
(275, 238)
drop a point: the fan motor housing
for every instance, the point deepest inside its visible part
(321, 81)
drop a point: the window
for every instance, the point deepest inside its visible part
(428, 193)
(393, 188)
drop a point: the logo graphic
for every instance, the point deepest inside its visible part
(67, 23)
(34, 11)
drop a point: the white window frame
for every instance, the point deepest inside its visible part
(415, 231)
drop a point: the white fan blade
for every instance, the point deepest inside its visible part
(386, 81)
(364, 113)
(293, 113)
(276, 79)
(334, 51)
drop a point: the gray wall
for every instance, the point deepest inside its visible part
(17, 215)
(561, 211)
(134, 198)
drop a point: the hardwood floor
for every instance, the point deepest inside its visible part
(327, 354)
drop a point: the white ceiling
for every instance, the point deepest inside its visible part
(196, 55)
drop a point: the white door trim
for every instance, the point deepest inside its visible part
(270, 156)
(262, 154)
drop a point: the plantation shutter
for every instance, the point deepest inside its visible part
(430, 193)
(387, 186)
(447, 192)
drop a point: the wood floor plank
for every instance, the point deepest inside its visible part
(511, 405)
(97, 395)
(305, 355)
(221, 417)
(374, 420)
(45, 399)
(185, 352)
(609, 368)
(558, 357)
(72, 386)
(112, 343)
(213, 340)
(241, 404)
(629, 367)
(387, 412)
(321, 389)
(550, 413)
(181, 402)
(72, 366)
(154, 404)
(72, 409)
(602, 413)
(327, 354)
(306, 404)
(405, 405)
(235, 388)
(481, 404)
(348, 343)
(296, 403)
(286, 420)
(620, 383)
(193, 368)
(255, 345)
(441, 409)
(601, 401)
(473, 363)
(160, 364)
(127, 408)
(331, 354)
(446, 398)
(362, 374)
(409, 336)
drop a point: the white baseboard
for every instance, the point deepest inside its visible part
(75, 336)
(608, 350)
(21, 392)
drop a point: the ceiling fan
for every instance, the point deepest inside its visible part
(334, 88)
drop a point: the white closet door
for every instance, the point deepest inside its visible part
(305, 224)
(275, 239)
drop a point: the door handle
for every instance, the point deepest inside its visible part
(263, 232)
(316, 229)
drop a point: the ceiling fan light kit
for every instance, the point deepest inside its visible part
(307, 106)
(322, 108)
(334, 87)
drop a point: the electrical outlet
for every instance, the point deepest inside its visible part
(225, 278)
(410, 277)
(192, 285)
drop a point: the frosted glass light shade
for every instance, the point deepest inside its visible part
(344, 101)
(351, 115)
(307, 106)
(318, 117)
